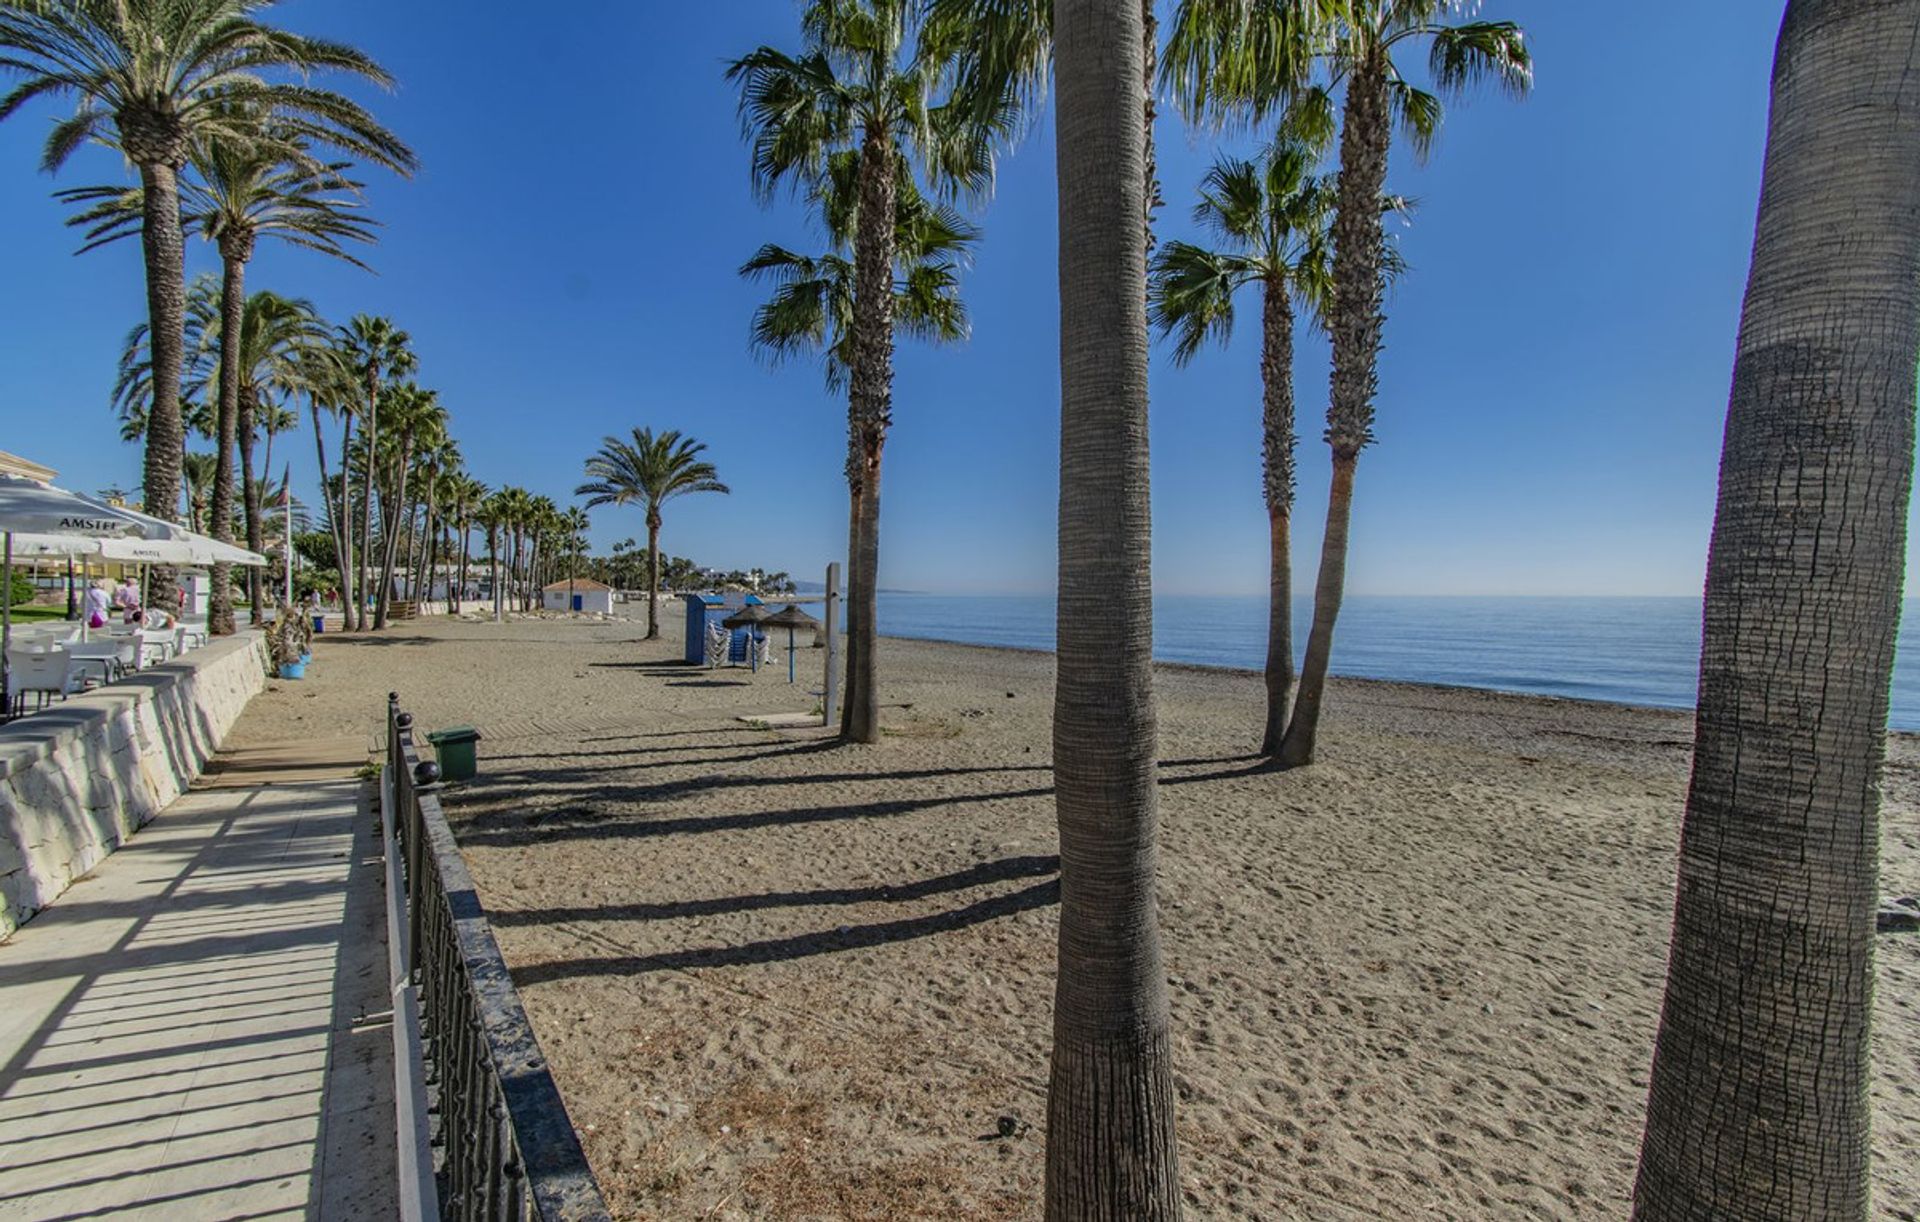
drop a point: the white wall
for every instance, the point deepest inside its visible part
(79, 778)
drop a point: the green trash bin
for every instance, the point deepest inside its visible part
(454, 746)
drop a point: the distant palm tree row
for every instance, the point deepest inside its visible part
(217, 112)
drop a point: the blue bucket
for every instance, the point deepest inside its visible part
(293, 670)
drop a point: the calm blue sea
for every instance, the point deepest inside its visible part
(1631, 650)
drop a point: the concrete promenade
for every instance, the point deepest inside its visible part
(199, 1028)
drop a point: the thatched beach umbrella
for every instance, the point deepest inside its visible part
(749, 617)
(790, 617)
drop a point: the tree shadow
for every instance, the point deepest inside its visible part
(621, 827)
(710, 683)
(799, 946)
(1005, 870)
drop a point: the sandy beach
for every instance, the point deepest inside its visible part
(783, 979)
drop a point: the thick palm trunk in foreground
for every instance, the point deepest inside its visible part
(870, 402)
(853, 549)
(1365, 137)
(163, 246)
(1758, 1105)
(1110, 1132)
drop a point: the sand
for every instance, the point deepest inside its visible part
(782, 979)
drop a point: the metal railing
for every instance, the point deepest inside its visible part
(483, 1132)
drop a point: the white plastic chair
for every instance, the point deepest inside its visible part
(45, 672)
(157, 645)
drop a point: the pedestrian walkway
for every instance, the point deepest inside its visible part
(199, 1029)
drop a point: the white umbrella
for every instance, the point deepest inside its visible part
(28, 506)
(31, 507)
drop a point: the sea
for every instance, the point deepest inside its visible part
(1642, 651)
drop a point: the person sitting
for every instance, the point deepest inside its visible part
(154, 618)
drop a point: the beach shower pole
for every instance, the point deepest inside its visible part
(830, 698)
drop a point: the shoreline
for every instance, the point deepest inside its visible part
(1206, 668)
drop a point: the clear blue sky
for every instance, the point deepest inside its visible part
(1553, 386)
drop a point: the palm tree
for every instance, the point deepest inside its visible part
(246, 189)
(271, 358)
(200, 470)
(649, 470)
(1758, 1104)
(420, 422)
(377, 351)
(493, 515)
(1110, 1131)
(466, 498)
(329, 384)
(1233, 59)
(573, 525)
(1272, 220)
(857, 103)
(154, 78)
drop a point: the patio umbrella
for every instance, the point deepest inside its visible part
(748, 617)
(790, 617)
(28, 506)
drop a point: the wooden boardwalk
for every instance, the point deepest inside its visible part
(199, 1028)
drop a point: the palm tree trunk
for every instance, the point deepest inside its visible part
(233, 306)
(372, 432)
(653, 576)
(1365, 136)
(1297, 747)
(349, 587)
(336, 516)
(391, 545)
(493, 562)
(467, 550)
(854, 480)
(163, 247)
(1758, 1104)
(250, 500)
(1277, 446)
(1110, 1131)
(870, 404)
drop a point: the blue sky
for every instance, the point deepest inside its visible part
(1552, 391)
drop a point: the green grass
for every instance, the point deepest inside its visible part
(38, 615)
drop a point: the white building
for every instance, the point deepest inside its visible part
(587, 594)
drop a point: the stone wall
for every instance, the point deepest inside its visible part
(80, 777)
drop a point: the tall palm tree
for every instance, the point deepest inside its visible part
(242, 190)
(420, 423)
(378, 352)
(467, 497)
(1110, 1103)
(865, 86)
(1271, 219)
(493, 515)
(649, 470)
(573, 528)
(1758, 1104)
(153, 77)
(270, 359)
(330, 385)
(1243, 59)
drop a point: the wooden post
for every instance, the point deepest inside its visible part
(830, 699)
